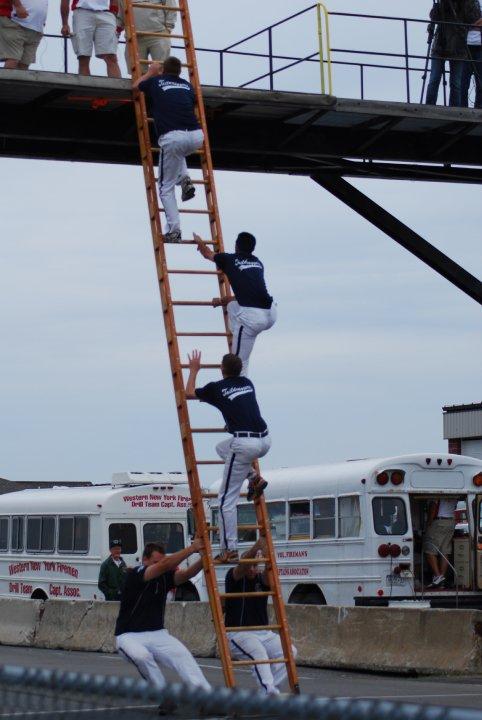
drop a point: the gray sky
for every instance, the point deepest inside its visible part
(369, 345)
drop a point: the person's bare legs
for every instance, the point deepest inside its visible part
(22, 66)
(84, 65)
(113, 69)
(434, 566)
(443, 566)
(11, 65)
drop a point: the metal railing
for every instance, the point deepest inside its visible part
(409, 61)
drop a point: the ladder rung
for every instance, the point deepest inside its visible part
(279, 661)
(200, 182)
(258, 593)
(205, 334)
(192, 212)
(247, 628)
(194, 272)
(148, 62)
(193, 242)
(156, 6)
(148, 33)
(203, 367)
(193, 303)
(209, 430)
(210, 462)
(215, 528)
(253, 561)
(215, 495)
(195, 152)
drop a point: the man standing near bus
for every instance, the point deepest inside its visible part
(259, 644)
(140, 633)
(437, 542)
(112, 572)
(235, 397)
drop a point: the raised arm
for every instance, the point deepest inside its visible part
(194, 367)
(182, 576)
(154, 69)
(170, 562)
(241, 569)
(205, 251)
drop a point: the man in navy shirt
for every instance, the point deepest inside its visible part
(235, 397)
(140, 633)
(179, 134)
(252, 309)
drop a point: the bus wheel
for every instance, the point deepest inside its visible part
(186, 592)
(39, 595)
(307, 595)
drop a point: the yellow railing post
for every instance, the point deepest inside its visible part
(322, 14)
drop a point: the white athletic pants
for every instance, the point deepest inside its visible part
(148, 650)
(246, 323)
(261, 645)
(175, 147)
(238, 454)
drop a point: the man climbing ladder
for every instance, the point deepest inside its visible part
(166, 272)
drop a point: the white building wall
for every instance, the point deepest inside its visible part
(472, 448)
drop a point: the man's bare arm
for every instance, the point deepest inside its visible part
(154, 69)
(182, 576)
(241, 569)
(194, 367)
(64, 14)
(205, 251)
(170, 562)
(20, 11)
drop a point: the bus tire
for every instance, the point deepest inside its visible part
(39, 594)
(186, 593)
(307, 595)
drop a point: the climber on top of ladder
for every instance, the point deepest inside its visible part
(179, 134)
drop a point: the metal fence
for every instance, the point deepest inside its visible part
(31, 693)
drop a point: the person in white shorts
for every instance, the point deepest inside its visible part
(259, 644)
(173, 101)
(235, 397)
(473, 67)
(94, 28)
(150, 20)
(140, 634)
(437, 542)
(21, 33)
(251, 310)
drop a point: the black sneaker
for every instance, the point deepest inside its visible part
(187, 188)
(172, 237)
(256, 486)
(167, 708)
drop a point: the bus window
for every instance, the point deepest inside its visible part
(349, 519)
(389, 516)
(299, 519)
(17, 534)
(191, 523)
(324, 518)
(171, 535)
(277, 516)
(40, 534)
(246, 516)
(3, 534)
(73, 534)
(126, 533)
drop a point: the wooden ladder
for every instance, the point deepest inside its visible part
(164, 273)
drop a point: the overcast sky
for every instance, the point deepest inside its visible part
(369, 345)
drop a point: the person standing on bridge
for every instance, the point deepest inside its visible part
(140, 634)
(235, 397)
(21, 30)
(153, 20)
(94, 28)
(251, 310)
(262, 644)
(173, 103)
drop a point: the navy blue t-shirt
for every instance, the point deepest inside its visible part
(236, 399)
(242, 612)
(172, 103)
(143, 603)
(246, 276)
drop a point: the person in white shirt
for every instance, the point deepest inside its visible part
(94, 28)
(21, 34)
(473, 68)
(150, 20)
(437, 542)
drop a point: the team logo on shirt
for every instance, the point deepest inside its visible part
(247, 264)
(172, 85)
(233, 392)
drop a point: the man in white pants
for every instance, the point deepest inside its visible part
(252, 309)
(259, 644)
(173, 102)
(150, 19)
(235, 397)
(94, 29)
(140, 633)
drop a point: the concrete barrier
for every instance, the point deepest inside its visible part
(381, 639)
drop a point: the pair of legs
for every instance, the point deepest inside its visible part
(154, 48)
(148, 650)
(472, 69)
(175, 147)
(239, 455)
(437, 546)
(18, 45)
(95, 30)
(261, 645)
(436, 73)
(246, 323)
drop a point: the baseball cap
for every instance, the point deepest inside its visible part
(115, 543)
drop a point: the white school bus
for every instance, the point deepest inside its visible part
(52, 541)
(352, 533)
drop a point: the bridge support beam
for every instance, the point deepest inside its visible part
(401, 233)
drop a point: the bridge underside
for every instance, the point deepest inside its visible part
(59, 116)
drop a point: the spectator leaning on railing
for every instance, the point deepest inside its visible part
(94, 28)
(150, 20)
(21, 29)
(450, 43)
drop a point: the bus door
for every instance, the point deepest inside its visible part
(129, 535)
